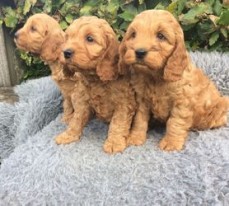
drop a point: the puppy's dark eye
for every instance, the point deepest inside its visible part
(32, 28)
(160, 36)
(133, 35)
(89, 39)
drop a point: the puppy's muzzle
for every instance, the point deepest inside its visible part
(68, 53)
(140, 53)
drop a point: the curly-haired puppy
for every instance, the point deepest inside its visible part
(91, 50)
(42, 35)
(167, 84)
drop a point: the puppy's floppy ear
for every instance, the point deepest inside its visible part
(122, 67)
(178, 60)
(107, 67)
(51, 47)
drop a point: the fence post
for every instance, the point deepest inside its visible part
(10, 65)
(4, 68)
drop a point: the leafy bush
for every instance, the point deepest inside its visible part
(205, 23)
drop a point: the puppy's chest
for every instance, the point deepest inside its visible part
(100, 101)
(65, 82)
(106, 98)
(160, 101)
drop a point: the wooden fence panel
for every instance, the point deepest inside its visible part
(4, 68)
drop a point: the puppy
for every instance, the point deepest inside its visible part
(42, 35)
(91, 50)
(166, 82)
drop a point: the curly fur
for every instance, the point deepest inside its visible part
(167, 84)
(99, 90)
(43, 36)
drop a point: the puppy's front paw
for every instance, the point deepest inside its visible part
(169, 144)
(114, 145)
(66, 138)
(136, 139)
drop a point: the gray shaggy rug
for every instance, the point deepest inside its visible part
(36, 171)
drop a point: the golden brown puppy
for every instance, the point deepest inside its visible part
(91, 49)
(43, 36)
(166, 82)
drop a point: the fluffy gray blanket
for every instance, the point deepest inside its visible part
(36, 171)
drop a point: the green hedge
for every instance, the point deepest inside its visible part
(205, 23)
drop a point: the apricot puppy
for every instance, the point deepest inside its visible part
(167, 84)
(91, 50)
(43, 36)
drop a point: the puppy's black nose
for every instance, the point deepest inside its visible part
(68, 53)
(16, 35)
(140, 53)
